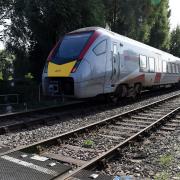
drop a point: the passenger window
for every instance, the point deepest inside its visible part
(173, 68)
(114, 49)
(177, 68)
(164, 67)
(151, 64)
(160, 65)
(100, 48)
(169, 67)
(143, 62)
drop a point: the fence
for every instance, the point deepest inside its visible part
(9, 99)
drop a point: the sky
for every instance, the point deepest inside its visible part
(175, 13)
(174, 19)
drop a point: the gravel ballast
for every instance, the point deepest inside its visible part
(155, 158)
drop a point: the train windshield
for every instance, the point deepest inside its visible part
(70, 47)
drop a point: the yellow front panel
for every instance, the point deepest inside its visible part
(64, 70)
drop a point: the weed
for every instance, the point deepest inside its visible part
(162, 176)
(88, 143)
(166, 160)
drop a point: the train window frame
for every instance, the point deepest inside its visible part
(143, 68)
(173, 68)
(164, 66)
(177, 69)
(160, 65)
(104, 51)
(150, 59)
(169, 69)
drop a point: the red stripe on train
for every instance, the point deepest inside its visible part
(87, 46)
(157, 78)
(140, 78)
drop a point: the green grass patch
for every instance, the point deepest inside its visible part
(88, 143)
(166, 160)
(162, 176)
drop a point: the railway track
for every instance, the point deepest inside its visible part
(14, 121)
(84, 147)
(45, 116)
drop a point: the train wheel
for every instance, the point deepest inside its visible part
(138, 89)
(120, 92)
(134, 94)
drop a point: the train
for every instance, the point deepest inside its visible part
(93, 61)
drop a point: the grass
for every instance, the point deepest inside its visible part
(88, 143)
(166, 160)
(162, 176)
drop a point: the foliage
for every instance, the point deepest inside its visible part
(131, 18)
(6, 65)
(143, 20)
(159, 35)
(175, 42)
(37, 25)
(166, 160)
(88, 143)
(29, 76)
(162, 176)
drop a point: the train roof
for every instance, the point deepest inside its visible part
(125, 39)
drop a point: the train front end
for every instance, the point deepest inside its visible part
(62, 69)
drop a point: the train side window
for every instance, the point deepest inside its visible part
(151, 64)
(164, 70)
(160, 65)
(100, 48)
(173, 68)
(143, 62)
(169, 67)
(177, 69)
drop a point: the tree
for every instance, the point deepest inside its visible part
(6, 64)
(144, 20)
(159, 36)
(130, 18)
(37, 25)
(175, 42)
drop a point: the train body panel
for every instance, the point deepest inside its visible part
(93, 61)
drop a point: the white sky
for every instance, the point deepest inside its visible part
(175, 13)
(174, 19)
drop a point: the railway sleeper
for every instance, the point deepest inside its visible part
(130, 124)
(65, 159)
(143, 118)
(145, 114)
(117, 133)
(137, 121)
(124, 128)
(112, 137)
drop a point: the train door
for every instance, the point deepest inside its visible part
(115, 63)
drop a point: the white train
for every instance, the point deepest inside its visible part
(94, 61)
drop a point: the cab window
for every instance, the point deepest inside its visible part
(100, 48)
